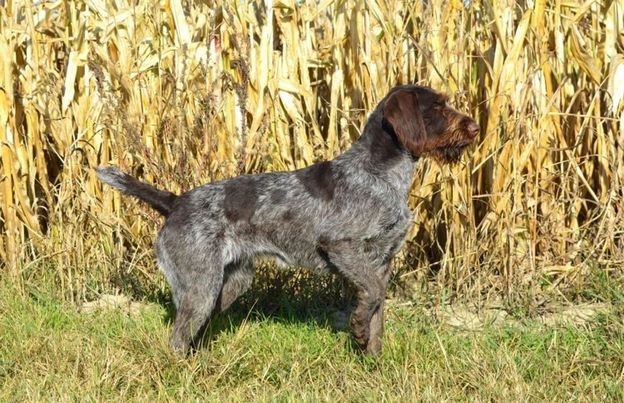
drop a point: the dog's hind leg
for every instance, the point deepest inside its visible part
(197, 291)
(196, 306)
(237, 279)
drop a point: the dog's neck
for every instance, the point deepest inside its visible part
(378, 153)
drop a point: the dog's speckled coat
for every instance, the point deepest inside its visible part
(348, 215)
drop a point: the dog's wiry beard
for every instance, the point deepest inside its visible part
(448, 154)
(451, 152)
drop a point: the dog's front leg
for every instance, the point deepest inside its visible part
(376, 327)
(350, 260)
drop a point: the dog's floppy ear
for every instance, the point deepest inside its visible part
(402, 112)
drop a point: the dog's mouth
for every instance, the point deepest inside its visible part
(450, 153)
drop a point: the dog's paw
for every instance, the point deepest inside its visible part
(180, 347)
(373, 347)
(361, 334)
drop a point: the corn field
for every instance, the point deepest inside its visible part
(181, 93)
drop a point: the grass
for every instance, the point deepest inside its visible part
(52, 350)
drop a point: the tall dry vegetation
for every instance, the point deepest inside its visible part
(184, 92)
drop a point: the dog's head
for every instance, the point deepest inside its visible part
(425, 124)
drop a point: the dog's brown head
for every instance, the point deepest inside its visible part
(425, 124)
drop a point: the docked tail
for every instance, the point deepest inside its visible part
(160, 200)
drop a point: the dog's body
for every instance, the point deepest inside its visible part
(348, 215)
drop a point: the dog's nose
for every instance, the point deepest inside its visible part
(473, 129)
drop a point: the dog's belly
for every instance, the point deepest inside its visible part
(318, 255)
(307, 257)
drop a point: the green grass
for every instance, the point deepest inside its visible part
(50, 350)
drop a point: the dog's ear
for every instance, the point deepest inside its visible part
(402, 112)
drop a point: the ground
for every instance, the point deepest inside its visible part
(113, 348)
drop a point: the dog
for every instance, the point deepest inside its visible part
(348, 215)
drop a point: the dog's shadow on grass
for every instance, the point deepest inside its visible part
(290, 297)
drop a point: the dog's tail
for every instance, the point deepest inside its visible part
(160, 200)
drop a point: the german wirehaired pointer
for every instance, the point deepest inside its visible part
(348, 215)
